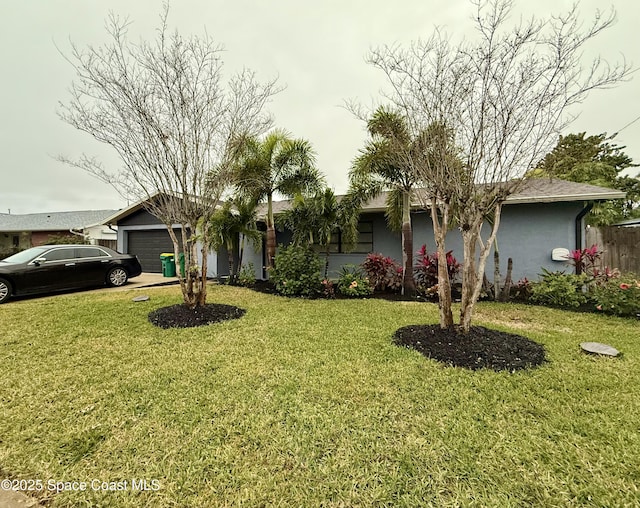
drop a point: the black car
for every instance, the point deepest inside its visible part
(58, 267)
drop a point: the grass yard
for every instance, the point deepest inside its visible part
(308, 403)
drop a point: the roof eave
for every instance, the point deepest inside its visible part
(565, 197)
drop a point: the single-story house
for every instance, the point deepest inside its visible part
(21, 231)
(539, 223)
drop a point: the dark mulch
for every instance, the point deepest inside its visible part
(181, 316)
(479, 349)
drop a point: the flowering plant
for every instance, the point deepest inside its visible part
(353, 283)
(619, 296)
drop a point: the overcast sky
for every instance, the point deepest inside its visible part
(317, 48)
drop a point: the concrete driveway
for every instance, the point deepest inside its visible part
(144, 280)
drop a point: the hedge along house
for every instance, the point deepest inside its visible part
(540, 224)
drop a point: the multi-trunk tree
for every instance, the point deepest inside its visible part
(166, 110)
(501, 100)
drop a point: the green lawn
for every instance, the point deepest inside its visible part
(308, 403)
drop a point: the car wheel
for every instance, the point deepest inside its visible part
(5, 290)
(117, 277)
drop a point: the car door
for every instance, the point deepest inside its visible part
(56, 269)
(92, 264)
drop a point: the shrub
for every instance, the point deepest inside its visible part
(425, 270)
(247, 275)
(521, 291)
(62, 239)
(619, 296)
(296, 271)
(328, 289)
(353, 283)
(384, 273)
(559, 289)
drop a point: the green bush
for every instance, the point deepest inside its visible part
(353, 283)
(619, 296)
(247, 275)
(296, 271)
(559, 289)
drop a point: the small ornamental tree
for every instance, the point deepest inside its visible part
(165, 109)
(495, 105)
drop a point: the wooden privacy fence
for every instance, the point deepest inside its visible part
(621, 246)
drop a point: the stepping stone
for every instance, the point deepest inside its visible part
(141, 298)
(599, 349)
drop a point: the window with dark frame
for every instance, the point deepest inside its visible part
(364, 243)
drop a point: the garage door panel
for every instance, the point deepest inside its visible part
(148, 245)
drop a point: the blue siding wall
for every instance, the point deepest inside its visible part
(528, 233)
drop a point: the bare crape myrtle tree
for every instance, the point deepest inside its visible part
(491, 107)
(166, 110)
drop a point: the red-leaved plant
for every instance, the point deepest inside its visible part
(383, 272)
(425, 270)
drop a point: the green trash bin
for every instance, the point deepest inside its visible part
(181, 262)
(168, 264)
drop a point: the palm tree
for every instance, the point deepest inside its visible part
(231, 226)
(314, 220)
(275, 164)
(387, 162)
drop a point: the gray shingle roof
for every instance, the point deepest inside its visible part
(539, 190)
(53, 221)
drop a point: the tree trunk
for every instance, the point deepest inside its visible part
(408, 284)
(232, 262)
(326, 261)
(271, 233)
(506, 290)
(496, 272)
(469, 275)
(471, 290)
(444, 284)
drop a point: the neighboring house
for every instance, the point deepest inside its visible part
(629, 223)
(21, 231)
(546, 215)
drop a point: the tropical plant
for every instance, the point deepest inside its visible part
(296, 271)
(353, 283)
(559, 289)
(247, 275)
(313, 221)
(230, 226)
(275, 164)
(426, 268)
(384, 273)
(387, 163)
(586, 260)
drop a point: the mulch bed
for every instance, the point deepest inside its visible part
(481, 348)
(181, 316)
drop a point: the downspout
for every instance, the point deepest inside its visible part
(579, 218)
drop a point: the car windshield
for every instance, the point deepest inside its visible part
(25, 256)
